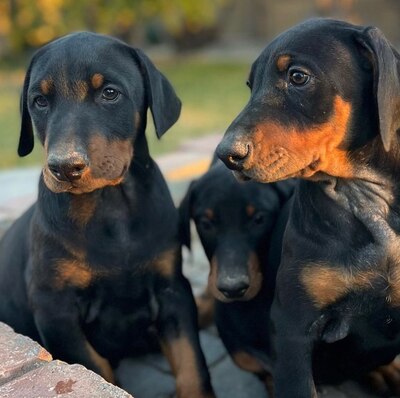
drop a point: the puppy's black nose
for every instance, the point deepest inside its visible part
(234, 288)
(233, 154)
(67, 168)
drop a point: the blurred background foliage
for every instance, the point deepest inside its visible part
(205, 48)
(28, 24)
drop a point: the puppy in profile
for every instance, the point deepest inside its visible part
(325, 108)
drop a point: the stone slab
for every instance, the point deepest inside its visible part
(18, 354)
(57, 379)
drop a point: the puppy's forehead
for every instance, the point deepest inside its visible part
(80, 56)
(86, 45)
(319, 39)
(316, 33)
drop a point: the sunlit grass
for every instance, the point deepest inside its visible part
(212, 95)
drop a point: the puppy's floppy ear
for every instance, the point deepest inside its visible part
(164, 104)
(185, 214)
(385, 64)
(26, 140)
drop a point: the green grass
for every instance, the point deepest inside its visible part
(212, 95)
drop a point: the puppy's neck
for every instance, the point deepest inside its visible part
(373, 159)
(82, 208)
(372, 196)
(74, 212)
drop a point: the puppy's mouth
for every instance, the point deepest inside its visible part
(278, 169)
(86, 184)
(241, 176)
(220, 297)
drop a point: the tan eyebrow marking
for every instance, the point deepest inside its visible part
(97, 80)
(46, 85)
(250, 210)
(283, 62)
(209, 213)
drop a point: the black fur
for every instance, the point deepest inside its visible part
(96, 262)
(335, 312)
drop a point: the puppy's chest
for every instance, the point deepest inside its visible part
(116, 297)
(119, 248)
(114, 271)
(118, 313)
(377, 277)
(356, 301)
(128, 236)
(363, 251)
(361, 301)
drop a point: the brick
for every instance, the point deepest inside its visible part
(57, 379)
(18, 354)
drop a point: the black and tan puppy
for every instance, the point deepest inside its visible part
(325, 106)
(235, 222)
(93, 269)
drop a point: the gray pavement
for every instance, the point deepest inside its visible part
(150, 376)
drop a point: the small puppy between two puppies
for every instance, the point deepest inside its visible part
(325, 107)
(236, 223)
(93, 269)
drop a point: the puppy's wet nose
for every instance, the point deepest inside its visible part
(234, 288)
(67, 168)
(234, 154)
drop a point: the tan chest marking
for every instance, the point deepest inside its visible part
(73, 272)
(81, 209)
(76, 272)
(165, 263)
(325, 284)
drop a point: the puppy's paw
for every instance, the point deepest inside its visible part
(385, 380)
(205, 309)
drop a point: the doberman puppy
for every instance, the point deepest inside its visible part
(235, 221)
(93, 269)
(325, 107)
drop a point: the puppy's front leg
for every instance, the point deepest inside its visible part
(178, 333)
(292, 345)
(57, 319)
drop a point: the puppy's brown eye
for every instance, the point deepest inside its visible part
(298, 78)
(110, 94)
(205, 224)
(41, 101)
(259, 218)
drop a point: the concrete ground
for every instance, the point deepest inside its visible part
(150, 376)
